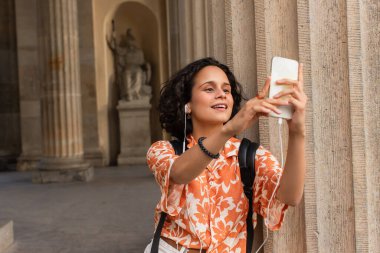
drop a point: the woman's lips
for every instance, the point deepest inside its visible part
(220, 108)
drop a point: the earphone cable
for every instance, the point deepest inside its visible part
(278, 183)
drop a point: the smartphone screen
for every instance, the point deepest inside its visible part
(282, 68)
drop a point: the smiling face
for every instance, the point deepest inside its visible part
(211, 99)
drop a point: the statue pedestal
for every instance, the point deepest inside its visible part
(134, 131)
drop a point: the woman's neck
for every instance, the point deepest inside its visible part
(205, 130)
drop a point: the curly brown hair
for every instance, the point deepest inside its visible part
(176, 93)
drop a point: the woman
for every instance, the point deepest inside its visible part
(202, 194)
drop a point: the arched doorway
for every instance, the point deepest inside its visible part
(147, 21)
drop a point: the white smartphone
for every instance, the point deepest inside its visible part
(282, 68)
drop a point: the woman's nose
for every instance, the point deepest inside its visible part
(220, 93)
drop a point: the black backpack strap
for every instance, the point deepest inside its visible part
(177, 145)
(157, 233)
(246, 156)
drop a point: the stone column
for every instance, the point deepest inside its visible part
(310, 227)
(363, 39)
(276, 35)
(62, 152)
(332, 133)
(240, 50)
(192, 35)
(216, 29)
(173, 38)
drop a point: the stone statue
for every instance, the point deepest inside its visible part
(118, 57)
(132, 72)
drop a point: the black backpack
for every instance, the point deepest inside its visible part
(246, 156)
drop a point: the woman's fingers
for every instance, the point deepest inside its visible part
(297, 103)
(262, 106)
(295, 83)
(271, 107)
(263, 93)
(298, 84)
(295, 93)
(297, 96)
(266, 86)
(266, 107)
(277, 101)
(263, 111)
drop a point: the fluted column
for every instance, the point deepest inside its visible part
(62, 158)
(363, 38)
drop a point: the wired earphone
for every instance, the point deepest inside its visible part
(187, 111)
(277, 184)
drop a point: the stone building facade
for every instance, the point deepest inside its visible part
(61, 111)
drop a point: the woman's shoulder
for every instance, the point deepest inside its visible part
(159, 151)
(160, 146)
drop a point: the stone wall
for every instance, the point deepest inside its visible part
(29, 84)
(92, 150)
(339, 44)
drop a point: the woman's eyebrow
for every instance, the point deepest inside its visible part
(212, 82)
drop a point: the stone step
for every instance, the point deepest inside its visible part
(6, 234)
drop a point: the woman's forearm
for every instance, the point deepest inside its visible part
(292, 182)
(191, 163)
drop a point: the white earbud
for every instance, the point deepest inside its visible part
(187, 108)
(187, 111)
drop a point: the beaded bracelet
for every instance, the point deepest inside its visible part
(208, 153)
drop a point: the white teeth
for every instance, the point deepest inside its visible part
(220, 106)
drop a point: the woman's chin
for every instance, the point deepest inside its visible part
(214, 118)
(217, 120)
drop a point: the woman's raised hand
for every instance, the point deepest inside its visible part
(253, 109)
(297, 97)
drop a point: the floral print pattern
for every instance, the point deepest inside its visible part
(210, 212)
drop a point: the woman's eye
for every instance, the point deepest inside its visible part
(209, 89)
(227, 91)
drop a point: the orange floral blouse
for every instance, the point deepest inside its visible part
(210, 212)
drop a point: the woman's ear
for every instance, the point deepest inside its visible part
(187, 108)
